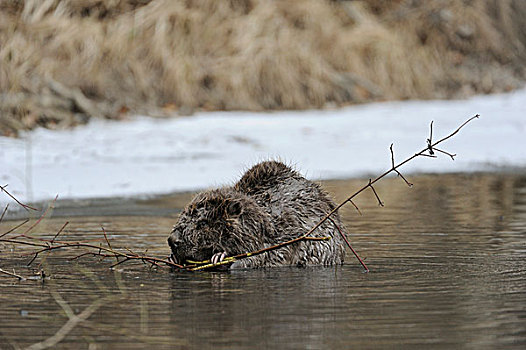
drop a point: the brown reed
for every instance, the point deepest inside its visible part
(63, 62)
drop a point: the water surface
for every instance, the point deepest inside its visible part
(447, 261)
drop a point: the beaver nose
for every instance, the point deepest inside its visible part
(172, 242)
(173, 239)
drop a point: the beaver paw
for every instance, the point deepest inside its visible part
(218, 257)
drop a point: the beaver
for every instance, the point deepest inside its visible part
(270, 204)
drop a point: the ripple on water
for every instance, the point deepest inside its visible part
(448, 270)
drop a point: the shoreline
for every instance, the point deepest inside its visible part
(170, 204)
(147, 157)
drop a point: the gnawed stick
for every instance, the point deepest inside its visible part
(232, 259)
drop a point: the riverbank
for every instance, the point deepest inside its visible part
(65, 62)
(145, 157)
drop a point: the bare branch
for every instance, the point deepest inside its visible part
(395, 170)
(421, 153)
(3, 213)
(430, 140)
(98, 250)
(25, 206)
(14, 228)
(446, 153)
(12, 274)
(59, 231)
(349, 244)
(380, 203)
(107, 241)
(42, 216)
(355, 206)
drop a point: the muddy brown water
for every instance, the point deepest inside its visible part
(447, 261)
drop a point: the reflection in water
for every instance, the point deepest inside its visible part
(447, 261)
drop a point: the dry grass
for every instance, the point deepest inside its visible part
(62, 62)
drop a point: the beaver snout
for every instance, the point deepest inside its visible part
(173, 240)
(176, 247)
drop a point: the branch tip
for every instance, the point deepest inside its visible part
(349, 244)
(380, 203)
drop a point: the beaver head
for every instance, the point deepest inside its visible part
(216, 221)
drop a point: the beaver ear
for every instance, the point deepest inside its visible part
(234, 209)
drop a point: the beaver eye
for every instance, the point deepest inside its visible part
(234, 209)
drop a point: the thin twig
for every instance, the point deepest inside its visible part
(119, 262)
(51, 205)
(349, 244)
(358, 209)
(132, 252)
(107, 241)
(457, 130)
(14, 228)
(59, 231)
(12, 274)
(48, 252)
(380, 203)
(32, 259)
(3, 213)
(393, 166)
(25, 206)
(430, 140)
(446, 153)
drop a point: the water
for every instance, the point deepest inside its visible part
(447, 261)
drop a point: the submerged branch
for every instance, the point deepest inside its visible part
(73, 321)
(12, 274)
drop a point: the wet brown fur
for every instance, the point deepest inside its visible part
(270, 204)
